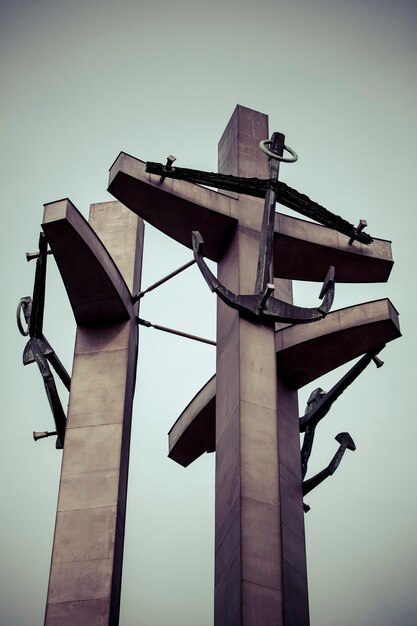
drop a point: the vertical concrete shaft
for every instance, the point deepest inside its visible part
(260, 570)
(85, 577)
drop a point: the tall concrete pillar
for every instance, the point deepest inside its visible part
(257, 437)
(85, 577)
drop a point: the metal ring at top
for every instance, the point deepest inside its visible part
(22, 305)
(272, 155)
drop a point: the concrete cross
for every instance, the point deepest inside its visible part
(249, 413)
(86, 567)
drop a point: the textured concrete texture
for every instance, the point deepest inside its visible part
(85, 577)
(303, 354)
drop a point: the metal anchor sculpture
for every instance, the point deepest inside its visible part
(262, 305)
(38, 349)
(318, 405)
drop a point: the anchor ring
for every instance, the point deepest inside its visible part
(272, 155)
(22, 305)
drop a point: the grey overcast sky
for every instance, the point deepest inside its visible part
(83, 80)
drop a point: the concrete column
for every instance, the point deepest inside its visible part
(260, 551)
(85, 577)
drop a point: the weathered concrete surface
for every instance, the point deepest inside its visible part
(303, 354)
(85, 577)
(302, 250)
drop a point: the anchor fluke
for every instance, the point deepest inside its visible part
(198, 245)
(263, 306)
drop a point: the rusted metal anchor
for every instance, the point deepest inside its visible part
(262, 305)
(38, 349)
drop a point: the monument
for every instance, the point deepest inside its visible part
(267, 348)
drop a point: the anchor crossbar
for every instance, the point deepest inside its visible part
(257, 188)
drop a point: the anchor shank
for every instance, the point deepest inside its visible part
(38, 303)
(306, 448)
(51, 391)
(60, 369)
(268, 221)
(322, 407)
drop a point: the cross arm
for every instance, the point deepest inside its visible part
(175, 207)
(305, 250)
(258, 188)
(302, 250)
(307, 354)
(96, 290)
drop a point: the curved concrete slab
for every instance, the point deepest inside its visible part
(198, 421)
(96, 289)
(302, 250)
(304, 353)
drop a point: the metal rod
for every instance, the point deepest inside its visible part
(180, 333)
(43, 434)
(163, 280)
(267, 231)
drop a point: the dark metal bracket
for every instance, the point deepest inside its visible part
(38, 349)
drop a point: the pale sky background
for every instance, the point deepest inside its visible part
(82, 81)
